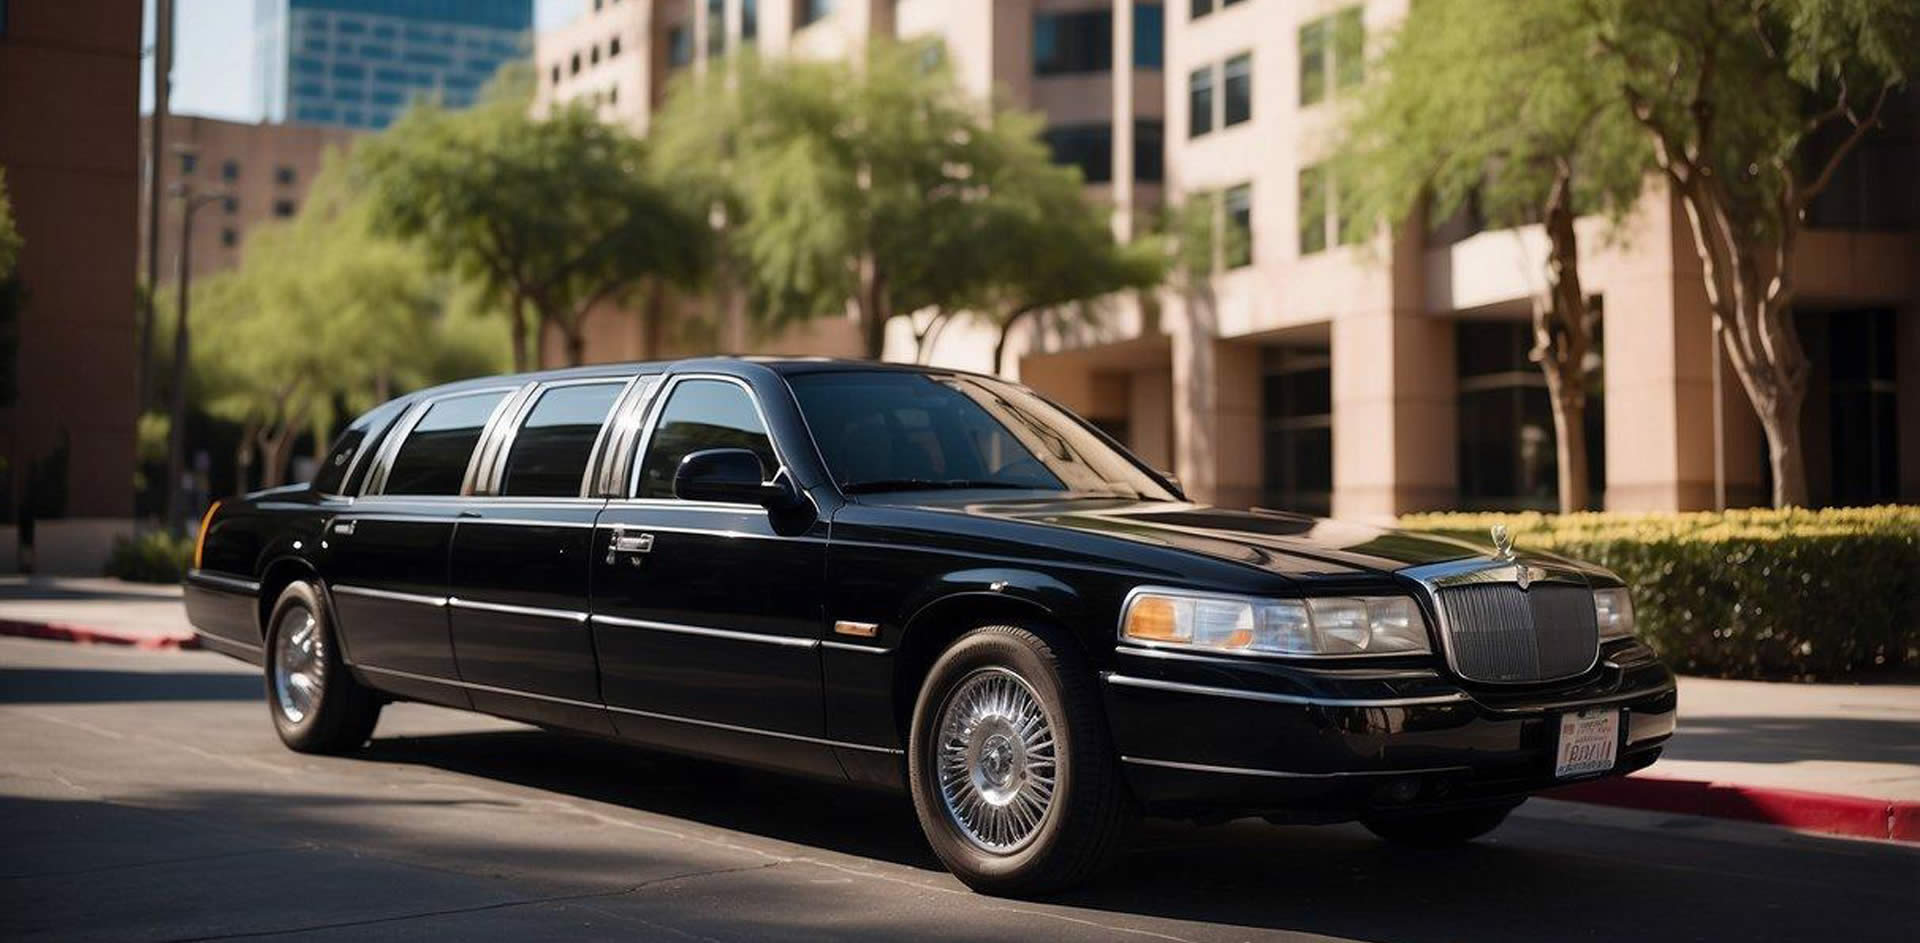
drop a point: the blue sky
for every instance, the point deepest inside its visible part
(213, 55)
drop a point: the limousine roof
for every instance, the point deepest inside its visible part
(785, 366)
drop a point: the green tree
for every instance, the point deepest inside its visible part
(10, 241)
(552, 215)
(879, 185)
(1494, 102)
(1751, 106)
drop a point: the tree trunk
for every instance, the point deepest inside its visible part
(276, 450)
(655, 315)
(871, 303)
(1007, 325)
(1562, 334)
(1784, 454)
(517, 327)
(576, 341)
(243, 460)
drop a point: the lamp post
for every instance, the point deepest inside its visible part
(177, 411)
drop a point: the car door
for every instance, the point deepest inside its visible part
(387, 552)
(706, 615)
(521, 560)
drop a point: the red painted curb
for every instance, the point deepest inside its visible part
(85, 635)
(1812, 811)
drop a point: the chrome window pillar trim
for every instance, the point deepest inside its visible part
(675, 718)
(599, 438)
(1270, 697)
(251, 587)
(658, 406)
(781, 640)
(1284, 774)
(626, 425)
(1434, 577)
(484, 460)
(565, 615)
(390, 595)
(376, 481)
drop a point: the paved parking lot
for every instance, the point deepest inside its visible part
(143, 796)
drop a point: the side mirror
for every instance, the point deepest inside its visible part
(733, 476)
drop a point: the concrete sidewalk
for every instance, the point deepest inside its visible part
(1841, 758)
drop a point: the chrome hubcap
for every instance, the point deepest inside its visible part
(996, 761)
(298, 659)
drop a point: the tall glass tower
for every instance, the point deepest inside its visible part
(358, 63)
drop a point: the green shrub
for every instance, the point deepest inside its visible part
(152, 557)
(1747, 594)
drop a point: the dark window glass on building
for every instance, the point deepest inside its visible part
(1349, 48)
(593, 55)
(550, 451)
(1200, 101)
(1071, 43)
(613, 47)
(716, 28)
(433, 459)
(1149, 35)
(284, 175)
(749, 20)
(1149, 150)
(575, 67)
(702, 414)
(679, 46)
(556, 75)
(1864, 431)
(1237, 206)
(1313, 62)
(229, 238)
(1313, 209)
(284, 208)
(230, 170)
(1508, 459)
(188, 161)
(1236, 86)
(1199, 9)
(230, 205)
(1086, 146)
(1297, 416)
(806, 12)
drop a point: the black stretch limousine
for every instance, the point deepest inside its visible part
(917, 579)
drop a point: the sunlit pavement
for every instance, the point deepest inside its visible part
(143, 796)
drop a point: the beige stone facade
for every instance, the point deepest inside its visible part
(1334, 369)
(262, 171)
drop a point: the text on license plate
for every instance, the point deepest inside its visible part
(1589, 743)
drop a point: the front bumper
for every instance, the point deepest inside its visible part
(1212, 737)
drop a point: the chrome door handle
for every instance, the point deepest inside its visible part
(624, 542)
(343, 528)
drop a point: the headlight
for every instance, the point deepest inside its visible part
(1613, 609)
(1369, 625)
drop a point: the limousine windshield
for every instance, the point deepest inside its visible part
(886, 431)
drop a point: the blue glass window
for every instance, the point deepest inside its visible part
(1149, 35)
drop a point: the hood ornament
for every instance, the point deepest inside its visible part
(1502, 543)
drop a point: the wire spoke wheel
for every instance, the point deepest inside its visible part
(299, 663)
(996, 763)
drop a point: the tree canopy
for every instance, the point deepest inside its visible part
(552, 215)
(883, 185)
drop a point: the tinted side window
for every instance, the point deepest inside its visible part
(331, 477)
(550, 452)
(433, 459)
(702, 414)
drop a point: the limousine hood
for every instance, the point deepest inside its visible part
(1291, 544)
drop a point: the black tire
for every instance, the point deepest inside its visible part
(1439, 829)
(338, 713)
(1089, 813)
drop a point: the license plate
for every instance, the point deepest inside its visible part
(1589, 743)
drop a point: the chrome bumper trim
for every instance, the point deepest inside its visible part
(1455, 697)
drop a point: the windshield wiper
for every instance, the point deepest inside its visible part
(928, 484)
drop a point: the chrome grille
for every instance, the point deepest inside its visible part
(1499, 632)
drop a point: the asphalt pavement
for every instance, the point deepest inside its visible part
(143, 796)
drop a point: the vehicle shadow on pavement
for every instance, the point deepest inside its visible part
(1797, 739)
(98, 686)
(1534, 879)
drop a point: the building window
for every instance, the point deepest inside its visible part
(230, 205)
(1199, 9)
(1086, 146)
(593, 55)
(1507, 455)
(556, 75)
(1070, 43)
(575, 69)
(679, 46)
(808, 12)
(1332, 54)
(1313, 210)
(1297, 413)
(283, 208)
(1236, 86)
(749, 20)
(229, 237)
(1149, 150)
(188, 161)
(613, 95)
(613, 47)
(283, 175)
(1861, 351)
(1237, 204)
(716, 28)
(1200, 101)
(230, 170)
(1149, 36)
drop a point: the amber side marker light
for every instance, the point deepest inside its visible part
(200, 539)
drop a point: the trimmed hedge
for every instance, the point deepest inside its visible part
(1746, 594)
(152, 557)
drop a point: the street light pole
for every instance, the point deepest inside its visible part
(156, 156)
(177, 410)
